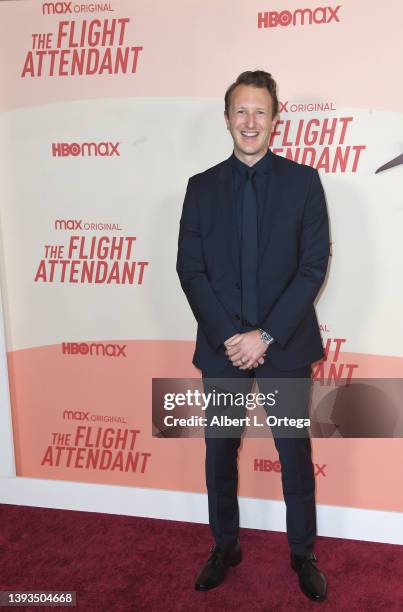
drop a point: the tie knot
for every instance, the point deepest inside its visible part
(250, 174)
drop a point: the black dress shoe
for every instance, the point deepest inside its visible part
(214, 571)
(311, 580)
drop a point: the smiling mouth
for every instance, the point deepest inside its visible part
(249, 134)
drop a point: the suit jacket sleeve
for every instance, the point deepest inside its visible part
(298, 297)
(207, 309)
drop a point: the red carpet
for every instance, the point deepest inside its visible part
(128, 564)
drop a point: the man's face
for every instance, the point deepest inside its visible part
(250, 122)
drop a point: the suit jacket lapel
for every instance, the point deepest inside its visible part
(226, 198)
(271, 206)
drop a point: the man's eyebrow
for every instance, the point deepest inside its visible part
(391, 164)
(257, 108)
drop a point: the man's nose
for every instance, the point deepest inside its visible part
(250, 120)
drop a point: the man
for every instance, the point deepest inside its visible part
(253, 253)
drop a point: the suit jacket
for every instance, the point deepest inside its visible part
(293, 258)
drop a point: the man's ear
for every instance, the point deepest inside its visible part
(226, 119)
(274, 121)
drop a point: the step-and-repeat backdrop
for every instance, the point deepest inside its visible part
(106, 110)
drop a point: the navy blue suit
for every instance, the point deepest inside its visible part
(293, 256)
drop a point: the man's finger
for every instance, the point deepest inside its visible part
(229, 339)
(232, 349)
(235, 355)
(233, 340)
(247, 365)
(234, 352)
(236, 362)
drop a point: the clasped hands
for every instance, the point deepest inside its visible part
(247, 350)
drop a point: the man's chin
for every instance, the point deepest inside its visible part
(251, 151)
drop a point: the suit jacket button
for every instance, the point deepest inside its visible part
(238, 317)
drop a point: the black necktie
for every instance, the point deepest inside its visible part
(249, 252)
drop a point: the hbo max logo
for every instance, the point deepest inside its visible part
(266, 465)
(322, 14)
(85, 149)
(95, 348)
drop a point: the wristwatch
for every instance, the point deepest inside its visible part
(265, 337)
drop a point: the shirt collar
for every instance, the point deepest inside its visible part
(262, 166)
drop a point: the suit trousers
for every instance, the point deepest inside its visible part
(297, 472)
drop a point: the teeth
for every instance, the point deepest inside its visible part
(249, 133)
